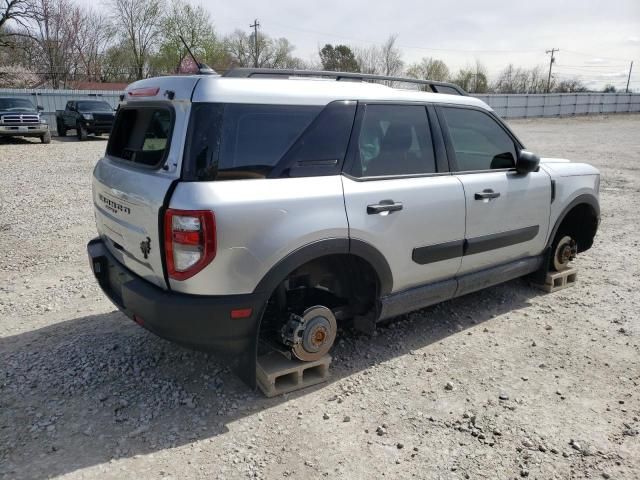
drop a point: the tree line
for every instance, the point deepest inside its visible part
(54, 43)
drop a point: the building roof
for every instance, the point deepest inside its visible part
(115, 86)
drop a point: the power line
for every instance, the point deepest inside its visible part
(597, 56)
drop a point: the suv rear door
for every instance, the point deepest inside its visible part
(507, 212)
(399, 196)
(142, 161)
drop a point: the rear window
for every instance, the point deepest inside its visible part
(141, 135)
(236, 141)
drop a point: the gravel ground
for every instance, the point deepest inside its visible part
(504, 383)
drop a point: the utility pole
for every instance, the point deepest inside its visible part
(552, 51)
(255, 41)
(629, 77)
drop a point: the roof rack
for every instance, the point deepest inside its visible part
(436, 87)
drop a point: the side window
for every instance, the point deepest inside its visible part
(479, 142)
(255, 137)
(325, 142)
(241, 141)
(394, 140)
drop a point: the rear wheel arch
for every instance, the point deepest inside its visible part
(322, 274)
(327, 249)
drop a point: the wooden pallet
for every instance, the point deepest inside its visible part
(558, 280)
(277, 374)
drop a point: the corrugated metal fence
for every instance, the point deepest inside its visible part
(52, 100)
(506, 106)
(561, 104)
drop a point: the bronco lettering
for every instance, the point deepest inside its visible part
(112, 206)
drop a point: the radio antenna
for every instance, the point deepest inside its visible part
(203, 68)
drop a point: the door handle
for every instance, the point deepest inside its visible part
(384, 206)
(486, 194)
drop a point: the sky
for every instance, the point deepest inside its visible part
(597, 39)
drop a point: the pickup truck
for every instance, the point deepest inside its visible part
(85, 117)
(20, 118)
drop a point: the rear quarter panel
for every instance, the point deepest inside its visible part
(259, 222)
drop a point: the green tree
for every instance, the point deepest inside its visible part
(473, 79)
(194, 25)
(338, 59)
(609, 89)
(429, 69)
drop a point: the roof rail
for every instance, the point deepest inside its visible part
(436, 87)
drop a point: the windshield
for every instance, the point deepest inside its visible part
(94, 107)
(16, 105)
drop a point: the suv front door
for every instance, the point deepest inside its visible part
(507, 212)
(396, 198)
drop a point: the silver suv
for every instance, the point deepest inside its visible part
(261, 209)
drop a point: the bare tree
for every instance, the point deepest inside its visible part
(138, 23)
(93, 35)
(55, 35)
(521, 80)
(571, 85)
(391, 57)
(272, 53)
(381, 60)
(15, 16)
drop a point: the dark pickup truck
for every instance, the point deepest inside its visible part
(85, 117)
(20, 118)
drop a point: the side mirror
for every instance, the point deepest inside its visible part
(527, 162)
(40, 108)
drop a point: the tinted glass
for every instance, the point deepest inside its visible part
(324, 143)
(235, 141)
(479, 141)
(141, 135)
(394, 140)
(447, 90)
(16, 105)
(94, 107)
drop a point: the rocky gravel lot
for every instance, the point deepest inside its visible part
(504, 383)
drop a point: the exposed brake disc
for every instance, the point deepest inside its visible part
(311, 335)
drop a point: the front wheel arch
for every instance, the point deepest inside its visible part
(580, 218)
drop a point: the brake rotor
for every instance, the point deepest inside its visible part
(315, 334)
(566, 251)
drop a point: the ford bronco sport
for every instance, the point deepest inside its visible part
(263, 208)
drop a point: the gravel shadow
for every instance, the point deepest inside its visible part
(96, 388)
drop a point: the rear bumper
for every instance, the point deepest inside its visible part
(202, 322)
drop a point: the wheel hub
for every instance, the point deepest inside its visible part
(566, 251)
(311, 335)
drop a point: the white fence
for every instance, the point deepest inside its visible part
(506, 106)
(51, 100)
(561, 104)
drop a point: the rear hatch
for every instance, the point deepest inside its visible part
(142, 161)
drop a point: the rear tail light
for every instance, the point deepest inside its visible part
(189, 241)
